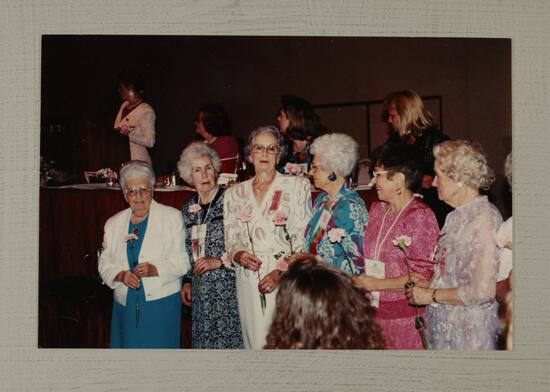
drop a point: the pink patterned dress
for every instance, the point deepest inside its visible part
(394, 315)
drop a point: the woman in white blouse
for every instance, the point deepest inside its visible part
(135, 118)
(252, 238)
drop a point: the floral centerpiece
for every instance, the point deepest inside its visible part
(49, 175)
(105, 175)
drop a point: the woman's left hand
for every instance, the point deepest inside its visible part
(146, 269)
(419, 295)
(269, 282)
(364, 282)
(206, 264)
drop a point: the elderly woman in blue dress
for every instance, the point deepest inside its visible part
(210, 287)
(143, 260)
(338, 207)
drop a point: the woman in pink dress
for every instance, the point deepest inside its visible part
(397, 173)
(214, 126)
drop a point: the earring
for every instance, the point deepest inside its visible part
(459, 184)
(131, 93)
(398, 191)
(332, 176)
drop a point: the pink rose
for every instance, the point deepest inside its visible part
(244, 215)
(280, 218)
(226, 260)
(405, 240)
(336, 235)
(282, 264)
(194, 208)
(130, 237)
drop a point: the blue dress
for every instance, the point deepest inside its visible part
(214, 312)
(349, 213)
(144, 324)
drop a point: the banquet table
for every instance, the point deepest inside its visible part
(71, 221)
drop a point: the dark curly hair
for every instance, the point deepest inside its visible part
(304, 123)
(318, 308)
(400, 158)
(129, 77)
(216, 120)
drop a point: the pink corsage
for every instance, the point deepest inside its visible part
(194, 208)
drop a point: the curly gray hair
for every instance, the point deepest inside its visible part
(465, 161)
(194, 151)
(136, 168)
(336, 151)
(268, 129)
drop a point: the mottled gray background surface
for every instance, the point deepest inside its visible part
(24, 367)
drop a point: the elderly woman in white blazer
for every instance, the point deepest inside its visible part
(143, 260)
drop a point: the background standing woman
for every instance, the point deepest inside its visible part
(413, 124)
(135, 118)
(299, 123)
(209, 287)
(255, 238)
(214, 126)
(143, 260)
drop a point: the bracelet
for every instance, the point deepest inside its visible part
(433, 296)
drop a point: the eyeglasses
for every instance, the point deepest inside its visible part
(271, 149)
(133, 191)
(376, 174)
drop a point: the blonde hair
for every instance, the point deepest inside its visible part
(413, 115)
(465, 161)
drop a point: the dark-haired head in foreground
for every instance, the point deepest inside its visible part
(318, 308)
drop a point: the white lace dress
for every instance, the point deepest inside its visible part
(468, 260)
(294, 197)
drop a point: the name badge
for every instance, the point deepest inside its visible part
(377, 269)
(198, 237)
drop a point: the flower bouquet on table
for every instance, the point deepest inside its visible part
(49, 175)
(402, 242)
(336, 235)
(106, 175)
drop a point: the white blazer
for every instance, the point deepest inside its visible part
(163, 246)
(142, 118)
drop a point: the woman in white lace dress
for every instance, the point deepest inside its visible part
(462, 309)
(252, 238)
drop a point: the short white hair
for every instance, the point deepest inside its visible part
(193, 151)
(134, 169)
(336, 151)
